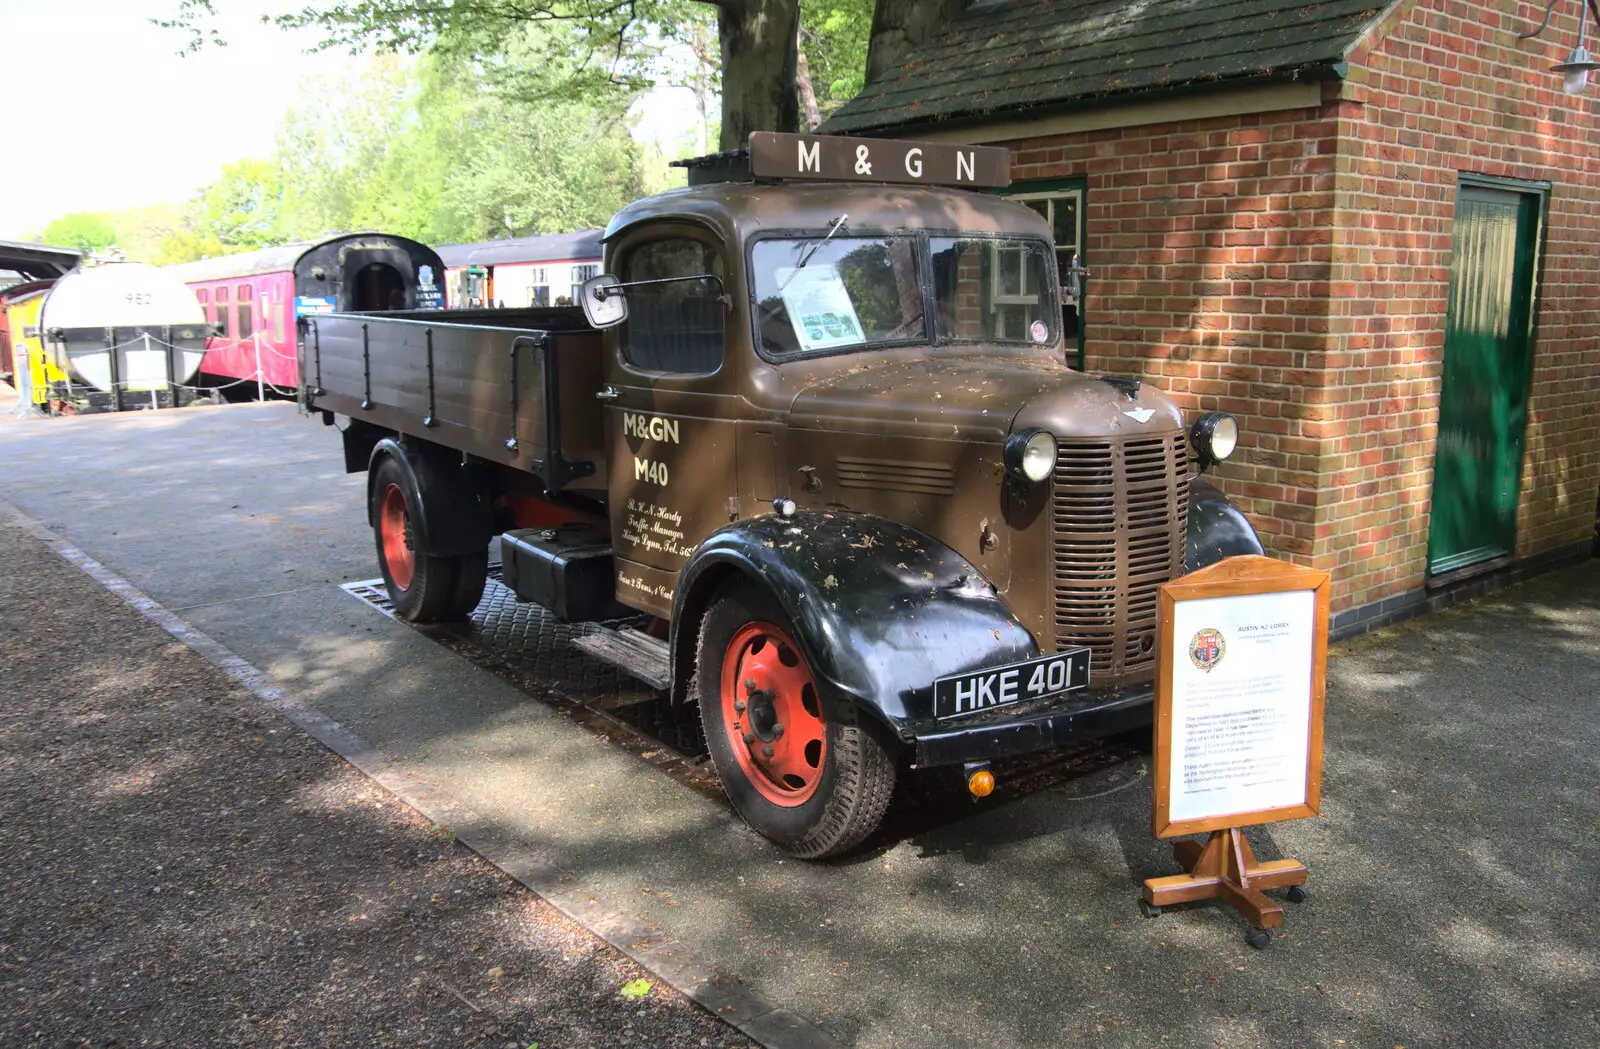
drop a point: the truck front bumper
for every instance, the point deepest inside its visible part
(949, 744)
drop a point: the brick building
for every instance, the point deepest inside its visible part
(1373, 233)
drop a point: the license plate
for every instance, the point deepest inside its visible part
(961, 694)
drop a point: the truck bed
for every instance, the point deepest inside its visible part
(489, 383)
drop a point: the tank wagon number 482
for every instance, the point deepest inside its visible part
(812, 457)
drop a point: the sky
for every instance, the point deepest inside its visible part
(115, 117)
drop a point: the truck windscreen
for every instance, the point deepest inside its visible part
(857, 292)
(851, 292)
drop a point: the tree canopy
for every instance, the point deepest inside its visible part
(611, 46)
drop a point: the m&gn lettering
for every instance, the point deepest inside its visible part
(650, 427)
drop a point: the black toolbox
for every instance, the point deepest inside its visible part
(567, 569)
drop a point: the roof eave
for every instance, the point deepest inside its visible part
(1321, 70)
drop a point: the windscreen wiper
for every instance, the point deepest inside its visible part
(813, 248)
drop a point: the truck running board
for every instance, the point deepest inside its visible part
(631, 651)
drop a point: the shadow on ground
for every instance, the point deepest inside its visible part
(1453, 867)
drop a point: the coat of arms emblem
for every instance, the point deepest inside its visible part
(1207, 648)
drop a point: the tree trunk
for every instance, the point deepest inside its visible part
(802, 83)
(898, 26)
(758, 68)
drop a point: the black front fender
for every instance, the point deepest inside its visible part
(1216, 528)
(880, 609)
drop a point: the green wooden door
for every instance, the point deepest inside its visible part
(1483, 403)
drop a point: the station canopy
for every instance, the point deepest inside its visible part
(20, 261)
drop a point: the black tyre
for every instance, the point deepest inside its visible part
(803, 767)
(472, 573)
(422, 589)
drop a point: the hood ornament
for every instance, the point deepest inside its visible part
(1140, 415)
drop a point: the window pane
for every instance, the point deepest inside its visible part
(244, 292)
(1040, 206)
(1064, 226)
(993, 289)
(852, 291)
(222, 319)
(245, 328)
(222, 293)
(676, 327)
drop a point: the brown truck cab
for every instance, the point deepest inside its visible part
(813, 458)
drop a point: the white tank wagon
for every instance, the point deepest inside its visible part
(125, 335)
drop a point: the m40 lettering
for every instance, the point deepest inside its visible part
(649, 470)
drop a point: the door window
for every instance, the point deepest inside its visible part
(678, 326)
(1063, 209)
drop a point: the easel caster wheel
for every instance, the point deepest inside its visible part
(1149, 910)
(1258, 938)
(1298, 894)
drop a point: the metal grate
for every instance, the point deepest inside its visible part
(1121, 511)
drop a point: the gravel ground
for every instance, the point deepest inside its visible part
(183, 868)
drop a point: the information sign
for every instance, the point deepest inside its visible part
(1239, 694)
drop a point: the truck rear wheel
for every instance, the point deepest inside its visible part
(422, 588)
(799, 765)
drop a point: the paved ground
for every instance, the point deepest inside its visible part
(185, 868)
(1454, 868)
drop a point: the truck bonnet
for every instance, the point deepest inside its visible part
(978, 398)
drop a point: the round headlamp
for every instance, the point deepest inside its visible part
(1214, 436)
(1031, 454)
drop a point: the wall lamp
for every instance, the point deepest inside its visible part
(1575, 70)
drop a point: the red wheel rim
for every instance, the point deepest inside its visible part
(394, 531)
(772, 713)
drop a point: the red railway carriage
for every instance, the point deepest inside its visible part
(254, 299)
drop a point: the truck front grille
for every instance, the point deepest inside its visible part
(1120, 510)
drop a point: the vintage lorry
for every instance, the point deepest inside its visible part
(812, 456)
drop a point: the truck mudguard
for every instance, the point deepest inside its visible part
(1216, 528)
(452, 514)
(881, 609)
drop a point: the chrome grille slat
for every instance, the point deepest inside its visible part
(1120, 514)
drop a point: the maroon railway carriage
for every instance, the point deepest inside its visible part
(254, 299)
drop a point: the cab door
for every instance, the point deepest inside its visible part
(669, 413)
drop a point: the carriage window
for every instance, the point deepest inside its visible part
(244, 292)
(676, 327)
(222, 293)
(222, 320)
(588, 271)
(245, 327)
(203, 295)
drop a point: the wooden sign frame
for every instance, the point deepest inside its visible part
(1226, 866)
(1234, 577)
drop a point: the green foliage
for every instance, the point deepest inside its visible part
(835, 34)
(84, 230)
(245, 207)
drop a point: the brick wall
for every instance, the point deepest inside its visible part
(1293, 268)
(1441, 89)
(1210, 248)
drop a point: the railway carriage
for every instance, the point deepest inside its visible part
(254, 299)
(521, 272)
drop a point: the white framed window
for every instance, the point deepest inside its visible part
(1063, 208)
(581, 273)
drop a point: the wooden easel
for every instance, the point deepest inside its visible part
(1225, 867)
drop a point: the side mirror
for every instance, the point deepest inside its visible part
(605, 302)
